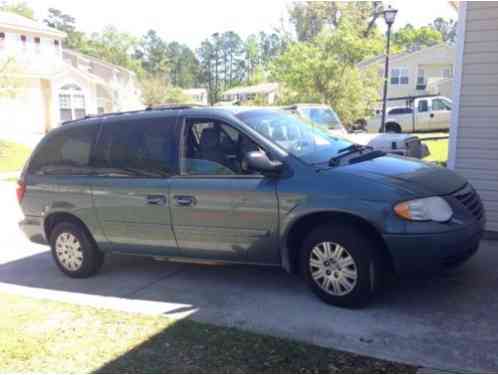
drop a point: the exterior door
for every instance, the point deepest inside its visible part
(423, 115)
(220, 211)
(134, 162)
(440, 114)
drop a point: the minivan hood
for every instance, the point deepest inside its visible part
(412, 175)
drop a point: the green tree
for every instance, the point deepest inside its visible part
(270, 46)
(153, 55)
(309, 18)
(409, 37)
(252, 58)
(18, 7)
(324, 71)
(115, 47)
(66, 23)
(156, 91)
(206, 54)
(232, 52)
(447, 28)
(184, 65)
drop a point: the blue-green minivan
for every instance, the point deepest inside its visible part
(244, 185)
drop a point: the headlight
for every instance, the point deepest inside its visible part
(426, 209)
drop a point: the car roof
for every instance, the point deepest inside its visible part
(167, 111)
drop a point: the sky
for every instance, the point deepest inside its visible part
(190, 21)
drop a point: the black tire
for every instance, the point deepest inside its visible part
(361, 249)
(393, 128)
(92, 258)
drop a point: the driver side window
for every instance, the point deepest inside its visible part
(423, 106)
(214, 148)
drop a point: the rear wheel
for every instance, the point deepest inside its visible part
(341, 265)
(74, 251)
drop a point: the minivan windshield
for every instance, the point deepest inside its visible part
(298, 137)
(322, 116)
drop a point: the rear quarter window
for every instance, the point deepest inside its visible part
(400, 111)
(67, 152)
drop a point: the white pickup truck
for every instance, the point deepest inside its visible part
(428, 113)
(324, 116)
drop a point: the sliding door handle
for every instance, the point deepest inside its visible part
(185, 200)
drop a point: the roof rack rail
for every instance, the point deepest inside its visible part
(164, 107)
(88, 117)
(408, 98)
(149, 108)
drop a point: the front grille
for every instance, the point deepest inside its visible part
(471, 201)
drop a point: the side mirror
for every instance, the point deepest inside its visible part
(259, 162)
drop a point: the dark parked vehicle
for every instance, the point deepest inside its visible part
(244, 185)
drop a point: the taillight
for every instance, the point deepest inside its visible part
(20, 190)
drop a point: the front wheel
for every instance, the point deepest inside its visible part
(341, 265)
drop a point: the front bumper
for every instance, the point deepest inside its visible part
(420, 253)
(33, 229)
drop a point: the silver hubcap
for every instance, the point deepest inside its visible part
(333, 269)
(68, 250)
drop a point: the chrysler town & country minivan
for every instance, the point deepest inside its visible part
(244, 185)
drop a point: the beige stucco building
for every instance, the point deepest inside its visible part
(422, 71)
(473, 150)
(50, 84)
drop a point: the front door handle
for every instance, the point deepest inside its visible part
(185, 200)
(156, 200)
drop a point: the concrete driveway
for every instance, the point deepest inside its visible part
(446, 322)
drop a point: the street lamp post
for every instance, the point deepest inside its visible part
(389, 17)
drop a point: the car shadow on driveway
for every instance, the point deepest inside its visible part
(447, 321)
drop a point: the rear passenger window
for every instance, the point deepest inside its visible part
(139, 148)
(66, 153)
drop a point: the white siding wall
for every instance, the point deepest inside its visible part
(475, 129)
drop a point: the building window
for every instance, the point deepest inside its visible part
(399, 76)
(37, 44)
(72, 103)
(448, 72)
(421, 84)
(24, 42)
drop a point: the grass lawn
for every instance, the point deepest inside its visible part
(438, 148)
(44, 336)
(439, 151)
(12, 156)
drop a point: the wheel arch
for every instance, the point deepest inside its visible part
(301, 227)
(394, 124)
(55, 218)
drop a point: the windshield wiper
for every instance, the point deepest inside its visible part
(354, 148)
